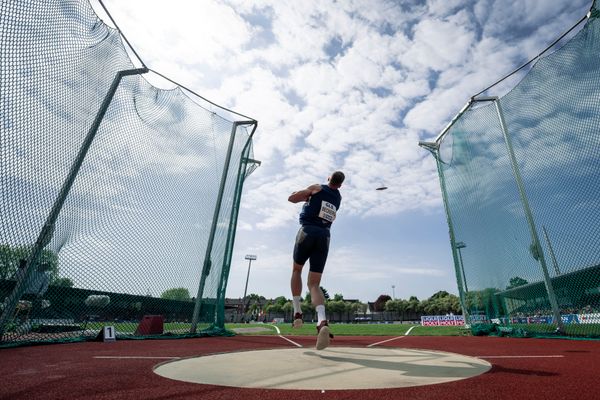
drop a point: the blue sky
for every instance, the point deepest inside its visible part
(349, 85)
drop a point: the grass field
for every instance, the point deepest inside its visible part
(308, 329)
(352, 329)
(341, 329)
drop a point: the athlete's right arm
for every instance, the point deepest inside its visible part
(304, 194)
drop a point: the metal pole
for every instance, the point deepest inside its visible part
(434, 149)
(207, 260)
(47, 230)
(530, 222)
(462, 245)
(554, 262)
(393, 292)
(220, 322)
(241, 177)
(246, 288)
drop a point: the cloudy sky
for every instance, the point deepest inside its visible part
(348, 85)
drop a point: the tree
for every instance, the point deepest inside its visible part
(274, 308)
(288, 307)
(439, 295)
(358, 308)
(325, 293)
(336, 306)
(380, 302)
(396, 305)
(280, 301)
(11, 257)
(516, 281)
(306, 305)
(441, 303)
(413, 305)
(253, 297)
(338, 297)
(181, 294)
(307, 298)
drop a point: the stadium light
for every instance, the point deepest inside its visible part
(250, 258)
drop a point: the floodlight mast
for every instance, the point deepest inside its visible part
(250, 258)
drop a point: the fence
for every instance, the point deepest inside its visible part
(520, 178)
(117, 199)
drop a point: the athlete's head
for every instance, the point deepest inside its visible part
(336, 179)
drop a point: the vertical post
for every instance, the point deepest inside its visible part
(241, 177)
(459, 278)
(554, 262)
(529, 215)
(47, 230)
(220, 322)
(207, 260)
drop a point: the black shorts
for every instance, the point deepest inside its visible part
(312, 243)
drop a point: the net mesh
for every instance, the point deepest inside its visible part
(152, 207)
(521, 184)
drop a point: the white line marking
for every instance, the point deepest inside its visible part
(552, 356)
(408, 331)
(385, 341)
(139, 357)
(389, 340)
(283, 337)
(276, 328)
(291, 341)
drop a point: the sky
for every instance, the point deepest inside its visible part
(351, 86)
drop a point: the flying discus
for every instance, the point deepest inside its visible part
(381, 188)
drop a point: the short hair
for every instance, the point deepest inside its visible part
(337, 178)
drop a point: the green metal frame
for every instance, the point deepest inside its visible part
(207, 258)
(241, 178)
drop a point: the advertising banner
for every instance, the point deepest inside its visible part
(442, 320)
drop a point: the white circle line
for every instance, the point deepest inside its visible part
(389, 340)
(291, 341)
(283, 337)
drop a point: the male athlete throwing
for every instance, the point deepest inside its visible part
(312, 243)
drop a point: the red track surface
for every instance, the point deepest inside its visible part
(72, 371)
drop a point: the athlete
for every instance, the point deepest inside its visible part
(312, 243)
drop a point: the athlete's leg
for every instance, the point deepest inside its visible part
(317, 264)
(318, 299)
(314, 286)
(296, 282)
(301, 254)
(296, 285)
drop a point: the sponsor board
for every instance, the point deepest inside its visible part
(442, 320)
(593, 318)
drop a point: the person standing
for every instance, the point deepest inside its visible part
(321, 203)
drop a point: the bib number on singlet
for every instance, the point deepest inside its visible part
(327, 211)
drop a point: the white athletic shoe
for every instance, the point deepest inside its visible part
(297, 321)
(324, 336)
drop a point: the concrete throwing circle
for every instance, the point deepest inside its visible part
(332, 368)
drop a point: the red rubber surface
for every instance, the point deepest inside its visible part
(71, 371)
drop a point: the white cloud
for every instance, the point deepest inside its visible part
(439, 44)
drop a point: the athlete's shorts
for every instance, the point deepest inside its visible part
(312, 243)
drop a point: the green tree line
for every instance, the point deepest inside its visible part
(14, 257)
